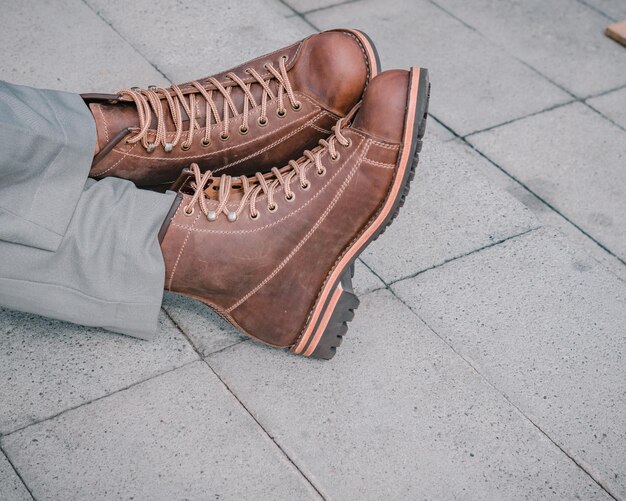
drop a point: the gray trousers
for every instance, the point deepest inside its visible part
(72, 248)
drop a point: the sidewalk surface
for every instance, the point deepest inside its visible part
(488, 357)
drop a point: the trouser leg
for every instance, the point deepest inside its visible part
(108, 270)
(72, 248)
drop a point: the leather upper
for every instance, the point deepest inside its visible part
(264, 275)
(328, 73)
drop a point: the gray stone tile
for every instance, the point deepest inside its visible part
(563, 39)
(181, 435)
(451, 210)
(364, 281)
(615, 9)
(199, 38)
(438, 131)
(66, 46)
(47, 366)
(397, 415)
(612, 105)
(11, 487)
(475, 84)
(303, 6)
(206, 329)
(583, 177)
(545, 324)
(547, 216)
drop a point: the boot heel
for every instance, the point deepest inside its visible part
(337, 325)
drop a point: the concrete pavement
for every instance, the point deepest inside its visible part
(487, 358)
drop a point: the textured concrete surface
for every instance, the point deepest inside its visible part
(11, 487)
(612, 105)
(514, 389)
(450, 211)
(47, 366)
(204, 328)
(613, 9)
(398, 431)
(179, 436)
(584, 178)
(545, 324)
(64, 46)
(563, 39)
(467, 94)
(196, 38)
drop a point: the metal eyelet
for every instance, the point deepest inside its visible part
(272, 208)
(243, 130)
(205, 143)
(185, 146)
(262, 121)
(290, 198)
(321, 171)
(296, 107)
(136, 89)
(305, 187)
(335, 158)
(224, 137)
(349, 143)
(281, 113)
(152, 87)
(254, 218)
(189, 213)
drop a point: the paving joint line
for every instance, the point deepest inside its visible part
(603, 115)
(461, 256)
(270, 436)
(69, 409)
(298, 14)
(110, 25)
(190, 341)
(546, 203)
(596, 9)
(520, 183)
(513, 120)
(332, 6)
(501, 393)
(17, 473)
(582, 100)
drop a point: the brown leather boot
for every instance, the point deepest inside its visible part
(248, 119)
(273, 254)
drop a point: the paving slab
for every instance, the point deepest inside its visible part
(48, 366)
(547, 216)
(583, 178)
(397, 415)
(198, 38)
(612, 105)
(206, 329)
(545, 324)
(615, 9)
(66, 46)
(364, 280)
(181, 435)
(451, 210)
(468, 94)
(563, 39)
(11, 487)
(303, 6)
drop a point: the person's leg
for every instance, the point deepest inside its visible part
(72, 248)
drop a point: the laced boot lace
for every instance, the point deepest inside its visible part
(153, 99)
(253, 187)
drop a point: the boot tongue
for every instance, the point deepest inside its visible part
(111, 119)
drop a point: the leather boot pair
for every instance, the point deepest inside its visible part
(286, 168)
